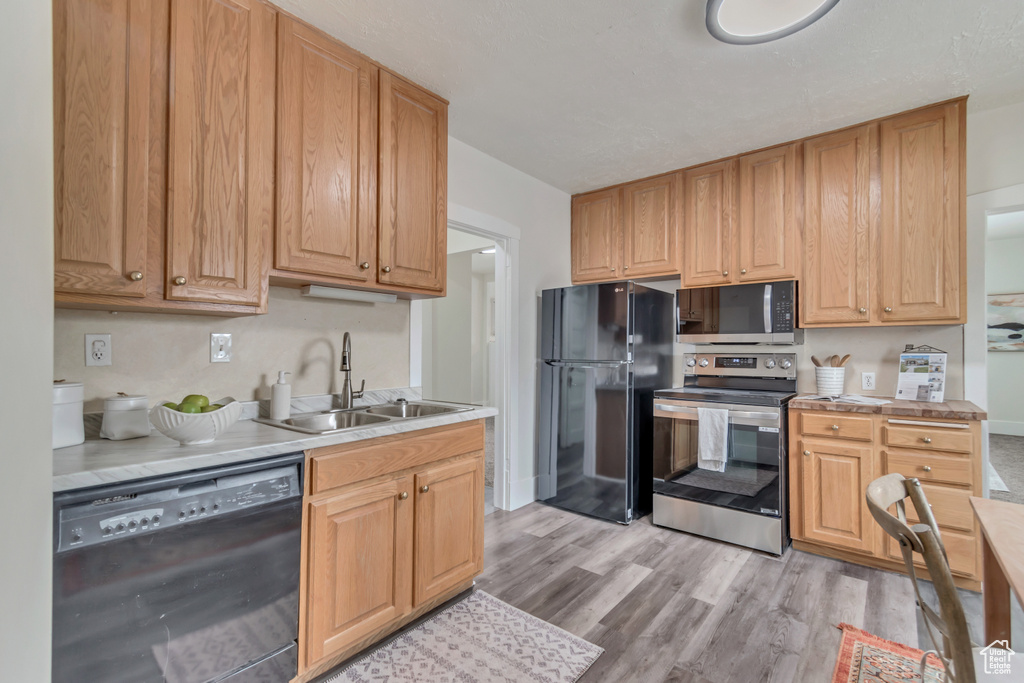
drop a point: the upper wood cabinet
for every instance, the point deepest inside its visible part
(709, 194)
(413, 186)
(769, 215)
(326, 156)
(220, 150)
(102, 55)
(596, 236)
(922, 227)
(651, 216)
(838, 227)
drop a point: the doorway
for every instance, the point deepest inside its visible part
(462, 346)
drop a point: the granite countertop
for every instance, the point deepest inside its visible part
(950, 410)
(101, 461)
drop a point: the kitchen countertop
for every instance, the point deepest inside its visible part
(101, 461)
(950, 410)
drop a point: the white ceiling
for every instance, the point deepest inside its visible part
(586, 93)
(1005, 225)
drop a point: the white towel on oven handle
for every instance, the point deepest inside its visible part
(712, 439)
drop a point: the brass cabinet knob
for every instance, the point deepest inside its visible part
(887, 309)
(625, 267)
(927, 439)
(386, 269)
(403, 495)
(807, 452)
(743, 271)
(927, 468)
(180, 281)
(135, 275)
(424, 489)
(863, 310)
(835, 428)
(364, 265)
(725, 273)
(613, 270)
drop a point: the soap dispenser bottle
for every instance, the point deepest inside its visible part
(281, 398)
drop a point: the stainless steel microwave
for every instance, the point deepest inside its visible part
(763, 313)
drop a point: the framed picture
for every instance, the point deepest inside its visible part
(1005, 322)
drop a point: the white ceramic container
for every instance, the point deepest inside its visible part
(68, 426)
(125, 417)
(830, 381)
(192, 429)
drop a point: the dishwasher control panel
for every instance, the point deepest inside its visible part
(112, 518)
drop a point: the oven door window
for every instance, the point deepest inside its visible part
(751, 481)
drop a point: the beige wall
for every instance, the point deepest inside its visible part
(167, 356)
(995, 148)
(26, 278)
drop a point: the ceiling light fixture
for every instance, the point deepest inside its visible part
(748, 22)
(318, 292)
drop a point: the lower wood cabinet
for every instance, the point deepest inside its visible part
(834, 456)
(393, 527)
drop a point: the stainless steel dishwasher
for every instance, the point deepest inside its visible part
(187, 578)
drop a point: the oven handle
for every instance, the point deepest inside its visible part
(733, 414)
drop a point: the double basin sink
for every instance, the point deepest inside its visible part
(330, 421)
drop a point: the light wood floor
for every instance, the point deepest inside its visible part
(667, 606)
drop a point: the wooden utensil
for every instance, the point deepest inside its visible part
(834, 361)
(817, 363)
(844, 360)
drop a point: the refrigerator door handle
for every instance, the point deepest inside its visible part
(587, 363)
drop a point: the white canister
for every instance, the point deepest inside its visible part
(830, 381)
(125, 417)
(68, 426)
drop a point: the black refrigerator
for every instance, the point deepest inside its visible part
(604, 350)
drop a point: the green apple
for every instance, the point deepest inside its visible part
(198, 399)
(172, 406)
(189, 408)
(210, 409)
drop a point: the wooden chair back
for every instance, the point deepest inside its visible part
(924, 539)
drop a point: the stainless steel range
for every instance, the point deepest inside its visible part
(743, 499)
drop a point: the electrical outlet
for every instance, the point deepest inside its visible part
(867, 381)
(98, 350)
(220, 348)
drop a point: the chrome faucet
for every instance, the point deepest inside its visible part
(347, 395)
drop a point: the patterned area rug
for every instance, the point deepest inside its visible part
(866, 658)
(480, 639)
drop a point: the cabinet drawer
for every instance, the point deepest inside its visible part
(929, 467)
(336, 466)
(953, 439)
(837, 426)
(961, 550)
(951, 508)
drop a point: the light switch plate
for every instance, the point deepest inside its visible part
(98, 350)
(867, 381)
(220, 348)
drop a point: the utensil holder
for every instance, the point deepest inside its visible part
(830, 380)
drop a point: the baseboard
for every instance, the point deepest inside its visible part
(1006, 427)
(523, 492)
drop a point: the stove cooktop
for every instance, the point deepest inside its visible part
(753, 397)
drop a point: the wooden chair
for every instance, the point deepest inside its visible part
(923, 538)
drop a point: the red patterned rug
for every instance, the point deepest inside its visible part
(866, 658)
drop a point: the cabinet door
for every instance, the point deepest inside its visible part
(834, 478)
(449, 527)
(596, 236)
(709, 197)
(769, 221)
(413, 186)
(101, 144)
(922, 232)
(837, 227)
(326, 156)
(221, 150)
(359, 565)
(650, 227)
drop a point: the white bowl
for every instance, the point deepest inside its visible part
(192, 429)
